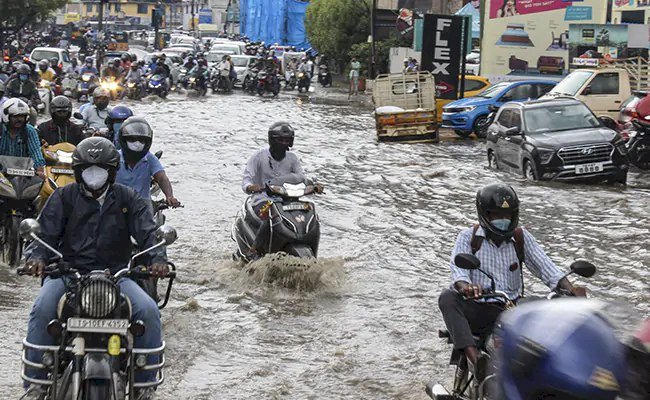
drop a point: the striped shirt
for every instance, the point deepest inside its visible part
(502, 263)
(16, 147)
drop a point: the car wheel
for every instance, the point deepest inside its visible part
(462, 134)
(492, 160)
(529, 171)
(481, 127)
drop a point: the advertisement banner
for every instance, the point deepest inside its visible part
(531, 37)
(630, 5)
(442, 50)
(597, 41)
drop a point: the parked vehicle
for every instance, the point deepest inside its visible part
(556, 140)
(474, 85)
(465, 116)
(473, 62)
(405, 108)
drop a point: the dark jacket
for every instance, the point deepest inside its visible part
(17, 88)
(90, 239)
(52, 134)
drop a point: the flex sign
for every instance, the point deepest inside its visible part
(442, 51)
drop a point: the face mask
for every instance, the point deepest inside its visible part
(137, 146)
(501, 224)
(94, 177)
(23, 77)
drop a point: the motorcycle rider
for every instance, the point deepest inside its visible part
(60, 129)
(54, 64)
(116, 117)
(502, 247)
(89, 67)
(23, 86)
(136, 75)
(292, 66)
(160, 68)
(73, 69)
(45, 72)
(2, 94)
(265, 164)
(71, 220)
(137, 165)
(113, 70)
(200, 71)
(94, 116)
(17, 137)
(226, 65)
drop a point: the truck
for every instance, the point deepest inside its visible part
(605, 88)
(405, 107)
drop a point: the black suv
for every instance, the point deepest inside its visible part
(556, 139)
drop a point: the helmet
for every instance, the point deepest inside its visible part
(125, 57)
(116, 61)
(12, 107)
(97, 151)
(116, 117)
(281, 134)
(101, 92)
(497, 201)
(89, 60)
(58, 104)
(23, 69)
(132, 130)
(16, 64)
(43, 65)
(134, 66)
(54, 61)
(133, 57)
(537, 356)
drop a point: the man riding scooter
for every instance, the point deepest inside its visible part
(60, 129)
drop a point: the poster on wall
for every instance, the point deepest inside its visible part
(442, 47)
(531, 37)
(602, 42)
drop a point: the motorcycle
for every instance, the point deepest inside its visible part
(58, 170)
(69, 86)
(303, 81)
(638, 145)
(96, 358)
(250, 81)
(292, 81)
(114, 87)
(324, 76)
(267, 82)
(295, 228)
(157, 85)
(87, 81)
(19, 188)
(182, 80)
(218, 80)
(465, 386)
(46, 95)
(134, 89)
(484, 124)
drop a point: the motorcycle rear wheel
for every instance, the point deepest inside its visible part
(12, 244)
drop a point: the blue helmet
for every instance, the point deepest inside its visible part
(120, 113)
(561, 349)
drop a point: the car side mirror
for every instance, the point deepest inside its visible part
(515, 130)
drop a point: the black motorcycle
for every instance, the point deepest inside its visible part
(19, 188)
(250, 81)
(218, 81)
(483, 124)
(95, 358)
(324, 76)
(466, 386)
(267, 82)
(294, 222)
(303, 82)
(638, 146)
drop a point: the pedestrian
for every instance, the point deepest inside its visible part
(355, 66)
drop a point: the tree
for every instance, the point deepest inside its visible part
(17, 14)
(333, 26)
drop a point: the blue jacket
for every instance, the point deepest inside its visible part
(91, 237)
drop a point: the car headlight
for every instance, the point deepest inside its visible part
(98, 297)
(545, 155)
(467, 109)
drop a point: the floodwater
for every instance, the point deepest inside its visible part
(363, 321)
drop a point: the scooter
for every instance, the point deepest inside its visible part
(58, 170)
(69, 86)
(250, 81)
(638, 145)
(46, 95)
(295, 228)
(134, 89)
(86, 81)
(466, 386)
(324, 76)
(157, 85)
(303, 81)
(292, 81)
(218, 80)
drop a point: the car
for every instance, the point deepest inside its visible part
(555, 139)
(473, 86)
(473, 62)
(235, 49)
(46, 53)
(214, 57)
(628, 113)
(242, 64)
(465, 116)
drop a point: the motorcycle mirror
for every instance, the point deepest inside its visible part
(167, 234)
(29, 227)
(78, 115)
(158, 154)
(583, 268)
(467, 261)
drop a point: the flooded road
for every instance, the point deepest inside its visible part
(367, 327)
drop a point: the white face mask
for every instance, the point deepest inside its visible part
(135, 146)
(94, 177)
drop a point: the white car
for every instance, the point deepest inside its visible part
(46, 53)
(242, 64)
(214, 57)
(235, 49)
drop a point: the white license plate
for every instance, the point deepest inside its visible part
(118, 326)
(294, 207)
(63, 171)
(20, 172)
(589, 168)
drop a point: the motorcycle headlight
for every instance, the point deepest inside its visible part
(98, 297)
(85, 78)
(277, 189)
(545, 155)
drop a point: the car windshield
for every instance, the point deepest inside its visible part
(572, 83)
(216, 56)
(494, 90)
(38, 55)
(555, 118)
(239, 61)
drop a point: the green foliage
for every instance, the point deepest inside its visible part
(16, 14)
(382, 54)
(333, 26)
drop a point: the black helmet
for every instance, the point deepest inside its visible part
(97, 151)
(132, 130)
(23, 69)
(281, 134)
(60, 104)
(500, 200)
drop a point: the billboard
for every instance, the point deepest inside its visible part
(597, 41)
(442, 48)
(531, 37)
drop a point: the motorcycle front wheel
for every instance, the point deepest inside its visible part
(12, 244)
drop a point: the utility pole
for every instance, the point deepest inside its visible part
(193, 27)
(372, 40)
(100, 34)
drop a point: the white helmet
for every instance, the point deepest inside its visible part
(14, 106)
(101, 92)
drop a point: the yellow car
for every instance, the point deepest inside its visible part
(473, 86)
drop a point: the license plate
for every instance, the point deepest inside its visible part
(589, 168)
(294, 207)
(20, 172)
(118, 326)
(63, 171)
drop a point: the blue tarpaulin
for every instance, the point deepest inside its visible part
(274, 21)
(469, 9)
